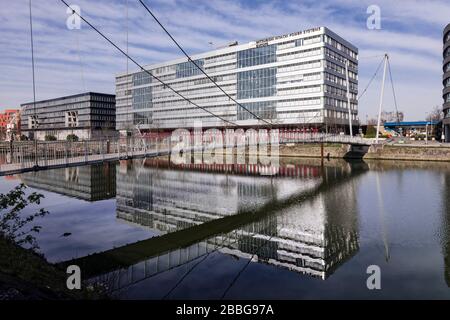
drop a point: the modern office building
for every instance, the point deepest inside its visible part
(87, 115)
(446, 83)
(293, 80)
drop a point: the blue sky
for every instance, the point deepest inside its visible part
(72, 61)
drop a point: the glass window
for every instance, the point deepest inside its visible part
(256, 83)
(142, 98)
(188, 69)
(141, 78)
(257, 56)
(142, 118)
(263, 109)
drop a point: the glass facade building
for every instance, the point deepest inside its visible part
(293, 80)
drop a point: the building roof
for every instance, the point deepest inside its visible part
(248, 45)
(9, 111)
(71, 96)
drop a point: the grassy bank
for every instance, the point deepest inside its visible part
(26, 275)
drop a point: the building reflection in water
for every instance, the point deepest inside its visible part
(446, 226)
(308, 237)
(91, 183)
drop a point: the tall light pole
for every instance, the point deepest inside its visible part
(386, 57)
(348, 97)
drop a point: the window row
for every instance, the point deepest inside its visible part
(222, 57)
(335, 56)
(340, 81)
(300, 54)
(263, 109)
(299, 102)
(339, 46)
(339, 92)
(447, 97)
(224, 67)
(341, 70)
(447, 82)
(300, 66)
(189, 68)
(447, 67)
(338, 103)
(299, 90)
(193, 92)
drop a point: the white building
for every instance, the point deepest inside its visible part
(293, 80)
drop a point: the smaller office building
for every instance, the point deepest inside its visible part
(88, 115)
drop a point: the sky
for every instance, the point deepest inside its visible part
(78, 60)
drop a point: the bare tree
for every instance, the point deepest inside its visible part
(435, 114)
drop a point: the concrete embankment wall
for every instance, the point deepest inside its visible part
(405, 152)
(375, 152)
(313, 150)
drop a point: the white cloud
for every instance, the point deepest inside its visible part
(411, 34)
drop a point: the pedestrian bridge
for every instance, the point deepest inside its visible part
(22, 156)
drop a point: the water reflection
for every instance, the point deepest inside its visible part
(302, 233)
(200, 228)
(91, 183)
(446, 227)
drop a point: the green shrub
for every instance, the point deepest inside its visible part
(370, 132)
(50, 137)
(72, 137)
(15, 226)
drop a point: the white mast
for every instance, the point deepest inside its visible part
(386, 57)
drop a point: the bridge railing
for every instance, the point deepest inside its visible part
(317, 137)
(19, 155)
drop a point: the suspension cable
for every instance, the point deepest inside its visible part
(393, 90)
(371, 79)
(198, 67)
(143, 69)
(32, 67)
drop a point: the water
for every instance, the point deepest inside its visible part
(310, 232)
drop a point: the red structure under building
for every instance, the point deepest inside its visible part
(5, 122)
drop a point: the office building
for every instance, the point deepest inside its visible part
(293, 80)
(446, 82)
(87, 115)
